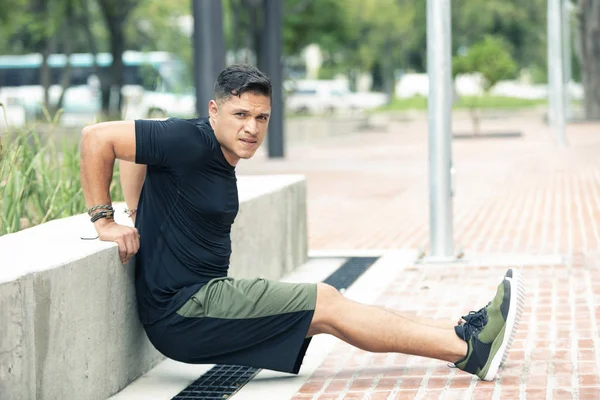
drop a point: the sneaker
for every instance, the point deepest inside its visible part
(490, 331)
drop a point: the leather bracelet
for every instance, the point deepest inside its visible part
(102, 214)
(98, 207)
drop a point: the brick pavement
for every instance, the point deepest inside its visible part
(513, 196)
(554, 356)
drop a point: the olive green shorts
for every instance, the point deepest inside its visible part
(252, 322)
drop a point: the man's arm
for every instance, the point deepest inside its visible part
(132, 179)
(101, 145)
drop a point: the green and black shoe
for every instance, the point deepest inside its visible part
(490, 331)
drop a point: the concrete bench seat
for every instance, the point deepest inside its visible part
(68, 320)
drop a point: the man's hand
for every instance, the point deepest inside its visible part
(126, 237)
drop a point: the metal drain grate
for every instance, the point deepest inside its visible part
(349, 272)
(219, 382)
(222, 381)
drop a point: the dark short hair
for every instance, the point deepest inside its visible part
(238, 79)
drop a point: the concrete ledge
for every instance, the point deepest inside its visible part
(67, 306)
(270, 234)
(16, 340)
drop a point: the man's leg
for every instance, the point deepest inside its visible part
(435, 323)
(479, 343)
(378, 330)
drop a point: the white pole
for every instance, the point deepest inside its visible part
(566, 36)
(439, 68)
(556, 84)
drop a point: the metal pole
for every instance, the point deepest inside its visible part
(439, 68)
(556, 84)
(566, 37)
(271, 49)
(209, 50)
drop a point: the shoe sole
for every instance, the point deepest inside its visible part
(515, 310)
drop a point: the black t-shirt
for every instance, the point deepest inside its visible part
(187, 206)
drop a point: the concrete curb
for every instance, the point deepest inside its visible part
(70, 326)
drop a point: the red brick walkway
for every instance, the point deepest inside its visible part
(519, 196)
(554, 356)
(512, 195)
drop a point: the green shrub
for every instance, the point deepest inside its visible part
(39, 179)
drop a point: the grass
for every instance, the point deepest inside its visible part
(465, 102)
(39, 179)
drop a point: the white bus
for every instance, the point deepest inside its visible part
(154, 85)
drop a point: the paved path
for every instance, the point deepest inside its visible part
(512, 195)
(519, 202)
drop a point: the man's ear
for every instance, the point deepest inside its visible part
(213, 109)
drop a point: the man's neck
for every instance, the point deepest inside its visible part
(231, 158)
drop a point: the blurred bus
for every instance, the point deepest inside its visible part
(155, 85)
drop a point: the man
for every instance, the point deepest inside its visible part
(180, 176)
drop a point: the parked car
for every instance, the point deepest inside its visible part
(315, 97)
(328, 97)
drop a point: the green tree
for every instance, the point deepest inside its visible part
(380, 31)
(308, 21)
(12, 12)
(161, 26)
(305, 22)
(116, 15)
(492, 59)
(34, 27)
(521, 24)
(46, 27)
